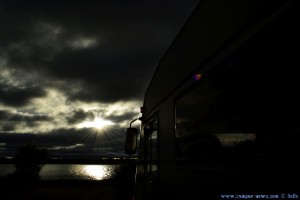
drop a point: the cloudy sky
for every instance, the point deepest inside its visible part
(73, 73)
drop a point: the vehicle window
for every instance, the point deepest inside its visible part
(151, 135)
(239, 112)
(213, 118)
(148, 153)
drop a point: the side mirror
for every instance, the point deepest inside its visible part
(131, 140)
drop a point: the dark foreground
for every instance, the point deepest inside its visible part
(57, 190)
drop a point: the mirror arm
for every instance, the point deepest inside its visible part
(134, 121)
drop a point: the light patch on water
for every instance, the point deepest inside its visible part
(96, 172)
(76, 172)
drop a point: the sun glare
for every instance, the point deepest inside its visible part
(96, 172)
(97, 123)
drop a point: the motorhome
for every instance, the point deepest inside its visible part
(221, 113)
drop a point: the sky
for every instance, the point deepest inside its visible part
(73, 73)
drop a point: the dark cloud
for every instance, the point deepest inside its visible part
(79, 115)
(122, 118)
(67, 137)
(68, 140)
(18, 96)
(8, 127)
(9, 120)
(129, 38)
(3, 114)
(9, 116)
(106, 79)
(23, 117)
(58, 52)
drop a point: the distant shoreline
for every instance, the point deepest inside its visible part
(108, 161)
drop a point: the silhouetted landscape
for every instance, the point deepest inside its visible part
(149, 100)
(26, 183)
(58, 189)
(17, 187)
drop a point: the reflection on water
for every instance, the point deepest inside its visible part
(68, 171)
(76, 171)
(97, 172)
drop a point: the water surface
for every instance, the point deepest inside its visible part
(68, 171)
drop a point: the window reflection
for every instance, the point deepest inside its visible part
(227, 116)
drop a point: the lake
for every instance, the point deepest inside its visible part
(68, 171)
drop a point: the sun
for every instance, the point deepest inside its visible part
(97, 123)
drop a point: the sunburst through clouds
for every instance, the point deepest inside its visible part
(58, 82)
(97, 124)
(100, 133)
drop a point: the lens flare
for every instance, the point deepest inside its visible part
(197, 77)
